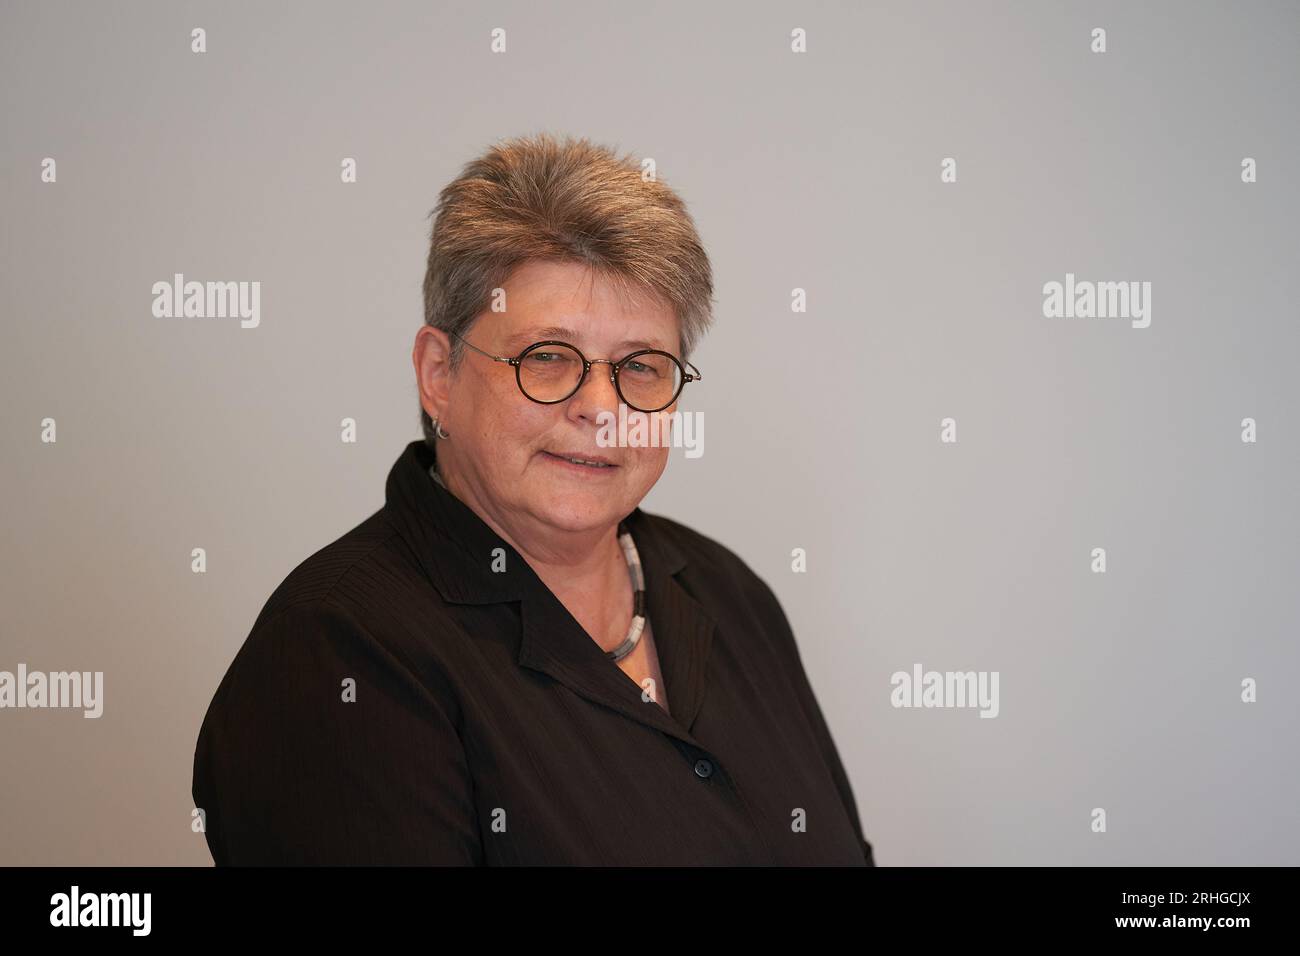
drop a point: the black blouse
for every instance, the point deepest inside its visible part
(398, 701)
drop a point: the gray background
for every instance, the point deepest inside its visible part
(817, 171)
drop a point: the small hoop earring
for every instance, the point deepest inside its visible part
(437, 430)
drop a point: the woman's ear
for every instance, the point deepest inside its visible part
(431, 356)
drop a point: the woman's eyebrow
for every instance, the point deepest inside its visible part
(529, 336)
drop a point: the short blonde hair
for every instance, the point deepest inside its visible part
(539, 197)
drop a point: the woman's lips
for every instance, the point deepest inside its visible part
(586, 463)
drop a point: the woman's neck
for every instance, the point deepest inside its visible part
(586, 571)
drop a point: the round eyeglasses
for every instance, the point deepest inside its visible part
(551, 371)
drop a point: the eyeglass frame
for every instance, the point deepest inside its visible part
(614, 369)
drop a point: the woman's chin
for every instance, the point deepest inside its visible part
(577, 512)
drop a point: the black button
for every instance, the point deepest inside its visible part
(703, 768)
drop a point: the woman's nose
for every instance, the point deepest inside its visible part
(597, 391)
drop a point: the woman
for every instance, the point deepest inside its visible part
(511, 662)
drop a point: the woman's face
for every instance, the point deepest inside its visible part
(504, 447)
